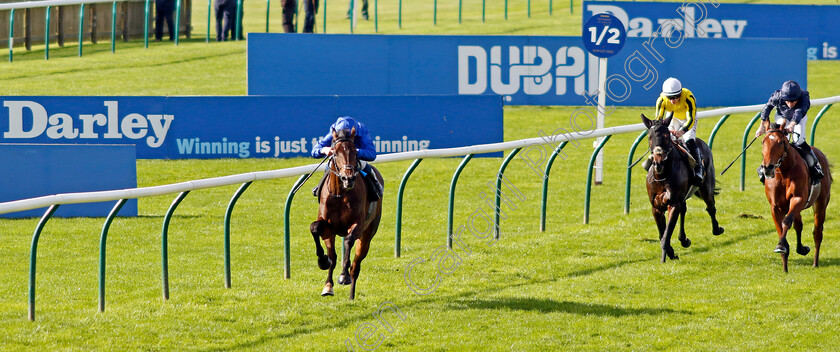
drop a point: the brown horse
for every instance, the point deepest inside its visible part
(787, 186)
(347, 210)
(668, 184)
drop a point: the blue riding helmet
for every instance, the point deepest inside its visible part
(791, 91)
(344, 123)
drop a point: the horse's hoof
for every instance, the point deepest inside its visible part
(328, 291)
(718, 231)
(686, 243)
(804, 250)
(324, 263)
(780, 249)
(344, 279)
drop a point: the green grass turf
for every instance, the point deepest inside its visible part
(574, 287)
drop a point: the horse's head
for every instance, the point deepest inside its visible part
(774, 149)
(344, 159)
(659, 138)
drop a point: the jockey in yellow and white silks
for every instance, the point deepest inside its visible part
(680, 102)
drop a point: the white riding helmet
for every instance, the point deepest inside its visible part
(672, 86)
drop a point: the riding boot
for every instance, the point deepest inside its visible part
(694, 149)
(373, 182)
(646, 164)
(814, 168)
(317, 190)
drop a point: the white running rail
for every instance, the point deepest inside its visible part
(132, 193)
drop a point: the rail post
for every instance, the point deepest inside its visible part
(11, 32)
(47, 35)
(451, 210)
(164, 245)
(629, 171)
(287, 237)
(589, 178)
(33, 255)
(498, 195)
(743, 155)
(102, 242)
(400, 191)
(228, 214)
(817, 120)
(81, 26)
(544, 201)
(715, 130)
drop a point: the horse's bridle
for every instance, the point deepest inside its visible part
(355, 167)
(778, 164)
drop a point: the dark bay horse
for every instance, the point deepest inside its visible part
(668, 184)
(347, 210)
(787, 186)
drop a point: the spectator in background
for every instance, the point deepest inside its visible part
(225, 13)
(163, 11)
(289, 11)
(364, 8)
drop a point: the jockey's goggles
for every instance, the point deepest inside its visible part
(675, 96)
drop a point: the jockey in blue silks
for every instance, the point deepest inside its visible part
(365, 151)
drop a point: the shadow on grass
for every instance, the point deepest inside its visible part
(549, 306)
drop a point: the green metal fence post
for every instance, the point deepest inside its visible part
(483, 9)
(450, 217)
(398, 232)
(506, 9)
(817, 120)
(146, 25)
(287, 237)
(267, 10)
(178, 20)
(81, 27)
(375, 15)
(103, 238)
(399, 22)
(499, 176)
(529, 8)
(164, 246)
(544, 201)
(460, 10)
(325, 16)
(743, 155)
(353, 14)
(228, 214)
(435, 14)
(113, 28)
(715, 130)
(209, 9)
(572, 6)
(589, 178)
(47, 35)
(33, 255)
(629, 171)
(11, 32)
(238, 22)
(550, 7)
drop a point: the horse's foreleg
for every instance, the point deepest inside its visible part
(329, 242)
(318, 229)
(659, 218)
(349, 240)
(684, 241)
(797, 226)
(665, 243)
(361, 252)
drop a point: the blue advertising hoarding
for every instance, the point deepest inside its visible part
(36, 170)
(525, 70)
(249, 126)
(710, 19)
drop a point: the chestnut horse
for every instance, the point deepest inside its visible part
(668, 184)
(787, 186)
(346, 209)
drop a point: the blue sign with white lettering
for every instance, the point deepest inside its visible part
(525, 70)
(710, 19)
(249, 126)
(603, 35)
